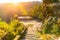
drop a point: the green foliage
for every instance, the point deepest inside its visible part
(3, 27)
(50, 23)
(13, 25)
(55, 1)
(13, 28)
(36, 12)
(20, 29)
(55, 29)
(50, 26)
(50, 1)
(47, 26)
(16, 28)
(9, 36)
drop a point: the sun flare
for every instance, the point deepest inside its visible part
(16, 1)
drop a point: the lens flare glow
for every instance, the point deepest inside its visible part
(16, 1)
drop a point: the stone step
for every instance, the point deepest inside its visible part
(30, 35)
(26, 39)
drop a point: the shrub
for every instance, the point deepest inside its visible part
(13, 28)
(50, 26)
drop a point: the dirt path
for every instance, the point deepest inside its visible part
(31, 32)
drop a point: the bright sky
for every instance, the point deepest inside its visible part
(16, 1)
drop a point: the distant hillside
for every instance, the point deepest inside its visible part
(17, 8)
